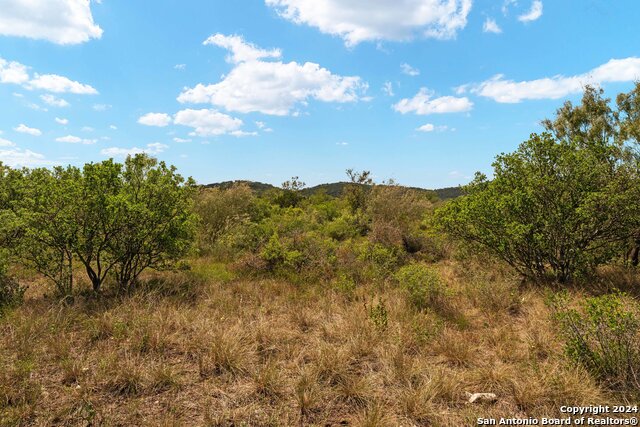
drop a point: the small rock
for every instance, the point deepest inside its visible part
(482, 397)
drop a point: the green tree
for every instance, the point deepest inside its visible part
(111, 218)
(44, 223)
(561, 203)
(156, 222)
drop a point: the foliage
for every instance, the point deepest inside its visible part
(423, 285)
(561, 203)
(110, 218)
(604, 337)
(379, 315)
(11, 292)
(220, 210)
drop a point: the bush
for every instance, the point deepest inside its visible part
(423, 285)
(11, 293)
(604, 337)
(220, 210)
(560, 204)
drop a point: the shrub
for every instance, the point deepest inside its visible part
(423, 285)
(604, 337)
(379, 316)
(220, 210)
(558, 204)
(11, 293)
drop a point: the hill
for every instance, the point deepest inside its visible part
(334, 189)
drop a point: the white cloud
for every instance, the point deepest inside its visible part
(387, 88)
(181, 140)
(180, 67)
(342, 143)
(13, 72)
(113, 127)
(16, 73)
(423, 103)
(508, 91)
(506, 5)
(155, 119)
(62, 121)
(241, 51)
(60, 84)
(207, 122)
(427, 128)
(53, 101)
(26, 129)
(153, 148)
(70, 139)
(275, 88)
(6, 143)
(101, 107)
(59, 21)
(241, 133)
(87, 129)
(409, 70)
(534, 13)
(36, 107)
(491, 26)
(17, 157)
(357, 21)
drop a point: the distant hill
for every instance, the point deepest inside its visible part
(334, 189)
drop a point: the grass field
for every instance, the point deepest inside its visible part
(204, 347)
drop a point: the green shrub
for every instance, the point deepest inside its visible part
(11, 293)
(423, 285)
(379, 316)
(384, 260)
(604, 337)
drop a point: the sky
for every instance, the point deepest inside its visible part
(424, 92)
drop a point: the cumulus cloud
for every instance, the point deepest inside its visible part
(53, 101)
(16, 157)
(153, 148)
(16, 73)
(424, 103)
(6, 143)
(22, 128)
(409, 70)
(62, 121)
(357, 21)
(239, 50)
(155, 119)
(59, 21)
(70, 139)
(60, 84)
(534, 13)
(429, 127)
(491, 26)
(13, 72)
(208, 122)
(509, 91)
(181, 140)
(274, 88)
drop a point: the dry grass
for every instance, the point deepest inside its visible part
(220, 351)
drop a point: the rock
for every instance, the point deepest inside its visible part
(482, 397)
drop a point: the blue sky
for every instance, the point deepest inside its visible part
(422, 91)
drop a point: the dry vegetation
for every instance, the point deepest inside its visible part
(206, 348)
(378, 307)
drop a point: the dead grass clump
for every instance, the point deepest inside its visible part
(123, 376)
(224, 350)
